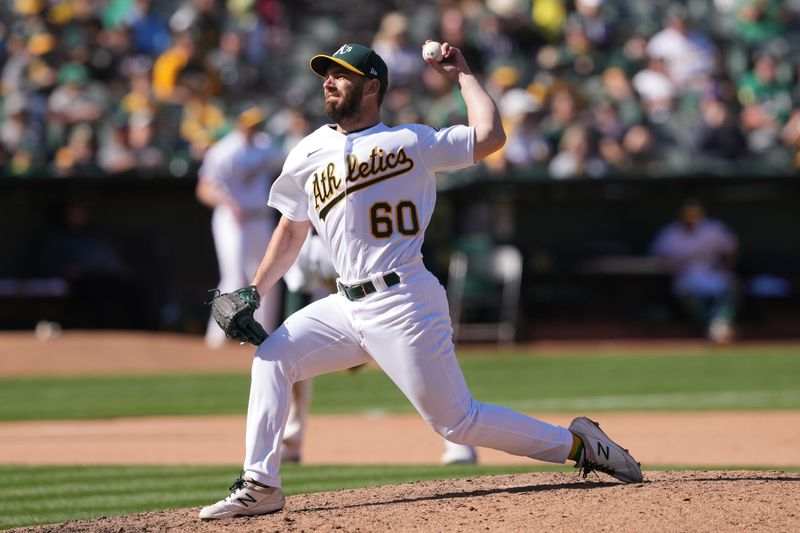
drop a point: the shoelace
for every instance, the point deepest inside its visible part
(587, 467)
(238, 484)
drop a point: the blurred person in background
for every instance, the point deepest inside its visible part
(766, 100)
(700, 252)
(526, 147)
(617, 89)
(204, 17)
(563, 109)
(716, 134)
(454, 28)
(168, 67)
(234, 180)
(141, 139)
(115, 156)
(656, 90)
(203, 120)
(232, 75)
(150, 30)
(759, 21)
(77, 158)
(17, 131)
(76, 100)
(392, 44)
(688, 55)
(575, 157)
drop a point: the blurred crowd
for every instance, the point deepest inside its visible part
(586, 88)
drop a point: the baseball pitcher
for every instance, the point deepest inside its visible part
(369, 190)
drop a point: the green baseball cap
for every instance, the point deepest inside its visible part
(356, 58)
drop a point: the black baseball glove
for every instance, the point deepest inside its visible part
(233, 311)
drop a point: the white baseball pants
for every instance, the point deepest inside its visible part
(406, 330)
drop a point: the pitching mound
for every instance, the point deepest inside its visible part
(666, 501)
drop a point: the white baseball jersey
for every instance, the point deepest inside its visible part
(243, 170)
(369, 194)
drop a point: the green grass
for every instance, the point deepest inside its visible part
(679, 379)
(32, 495)
(740, 377)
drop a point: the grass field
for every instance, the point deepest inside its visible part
(44, 495)
(667, 379)
(729, 378)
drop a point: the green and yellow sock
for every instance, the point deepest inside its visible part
(577, 448)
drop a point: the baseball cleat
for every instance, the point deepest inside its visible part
(290, 451)
(459, 454)
(603, 454)
(247, 498)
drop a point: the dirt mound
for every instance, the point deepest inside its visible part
(666, 501)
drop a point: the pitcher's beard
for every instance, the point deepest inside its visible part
(347, 108)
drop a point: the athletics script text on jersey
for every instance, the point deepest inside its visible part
(329, 189)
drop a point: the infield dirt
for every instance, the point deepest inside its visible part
(667, 501)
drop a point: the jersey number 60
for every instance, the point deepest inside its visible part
(383, 219)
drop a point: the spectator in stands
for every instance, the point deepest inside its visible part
(141, 139)
(151, 33)
(168, 67)
(115, 156)
(203, 17)
(759, 21)
(21, 141)
(640, 145)
(76, 100)
(701, 252)
(454, 29)
(688, 55)
(561, 112)
(619, 91)
(77, 157)
(526, 147)
(656, 90)
(575, 157)
(17, 130)
(672, 56)
(716, 136)
(203, 120)
(392, 44)
(231, 75)
(597, 21)
(766, 102)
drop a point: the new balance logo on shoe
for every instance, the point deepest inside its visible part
(246, 498)
(597, 454)
(606, 451)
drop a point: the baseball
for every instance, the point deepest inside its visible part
(432, 49)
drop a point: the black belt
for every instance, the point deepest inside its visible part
(358, 291)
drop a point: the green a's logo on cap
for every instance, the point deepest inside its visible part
(355, 58)
(343, 50)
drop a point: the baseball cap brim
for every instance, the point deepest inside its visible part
(320, 63)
